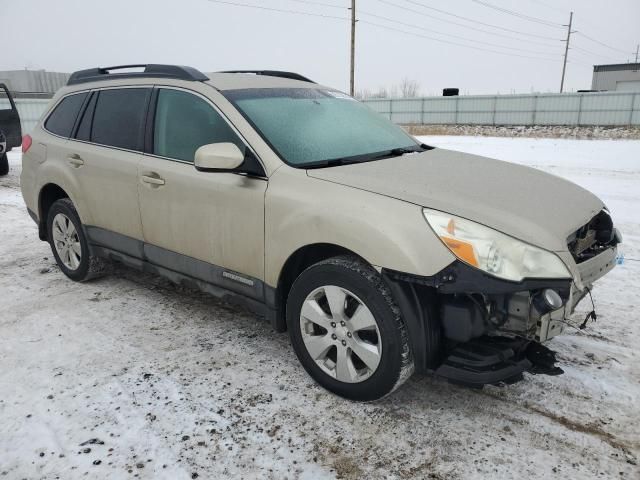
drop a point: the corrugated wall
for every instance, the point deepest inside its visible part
(33, 80)
(574, 109)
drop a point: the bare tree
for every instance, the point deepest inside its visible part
(363, 94)
(381, 93)
(406, 89)
(409, 88)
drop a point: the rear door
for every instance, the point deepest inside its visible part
(192, 219)
(9, 119)
(104, 155)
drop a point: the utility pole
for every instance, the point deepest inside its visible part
(352, 89)
(637, 49)
(566, 52)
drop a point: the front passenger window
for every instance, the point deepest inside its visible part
(184, 123)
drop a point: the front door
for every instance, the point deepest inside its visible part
(208, 225)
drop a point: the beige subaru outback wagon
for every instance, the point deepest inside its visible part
(380, 255)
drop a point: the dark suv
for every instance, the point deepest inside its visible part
(10, 131)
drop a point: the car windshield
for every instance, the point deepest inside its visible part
(311, 127)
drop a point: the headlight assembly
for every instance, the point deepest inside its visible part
(493, 251)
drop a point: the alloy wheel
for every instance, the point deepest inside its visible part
(66, 241)
(340, 334)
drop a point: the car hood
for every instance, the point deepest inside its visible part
(526, 203)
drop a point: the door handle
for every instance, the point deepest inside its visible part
(75, 160)
(152, 180)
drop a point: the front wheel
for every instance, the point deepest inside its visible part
(4, 164)
(347, 331)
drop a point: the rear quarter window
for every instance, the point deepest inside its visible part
(118, 120)
(64, 115)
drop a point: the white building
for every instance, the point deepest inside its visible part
(620, 77)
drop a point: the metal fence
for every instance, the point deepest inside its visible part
(574, 109)
(30, 110)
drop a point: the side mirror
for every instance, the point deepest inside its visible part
(218, 157)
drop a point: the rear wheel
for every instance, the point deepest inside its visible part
(347, 331)
(69, 244)
(4, 164)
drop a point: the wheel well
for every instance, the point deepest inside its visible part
(298, 262)
(49, 194)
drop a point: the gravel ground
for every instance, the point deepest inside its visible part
(130, 376)
(523, 131)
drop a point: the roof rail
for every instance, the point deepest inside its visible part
(150, 70)
(273, 73)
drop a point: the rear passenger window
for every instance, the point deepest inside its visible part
(118, 120)
(185, 122)
(64, 116)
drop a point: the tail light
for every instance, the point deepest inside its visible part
(26, 143)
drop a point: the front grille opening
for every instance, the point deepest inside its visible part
(593, 238)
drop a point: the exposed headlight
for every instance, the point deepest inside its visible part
(493, 251)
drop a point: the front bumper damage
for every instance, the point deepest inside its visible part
(476, 329)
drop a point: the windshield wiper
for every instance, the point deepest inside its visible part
(394, 152)
(334, 162)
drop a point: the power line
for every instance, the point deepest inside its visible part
(539, 2)
(386, 27)
(320, 4)
(280, 10)
(546, 22)
(604, 44)
(594, 26)
(588, 52)
(573, 62)
(533, 35)
(473, 40)
(541, 21)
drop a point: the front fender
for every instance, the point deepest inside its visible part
(386, 232)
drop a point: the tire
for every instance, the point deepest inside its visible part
(77, 263)
(338, 327)
(4, 164)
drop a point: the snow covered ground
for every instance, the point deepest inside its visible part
(130, 376)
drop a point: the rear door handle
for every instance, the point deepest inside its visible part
(152, 180)
(75, 160)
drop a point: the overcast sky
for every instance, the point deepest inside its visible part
(67, 35)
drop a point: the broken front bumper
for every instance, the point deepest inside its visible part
(585, 273)
(462, 303)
